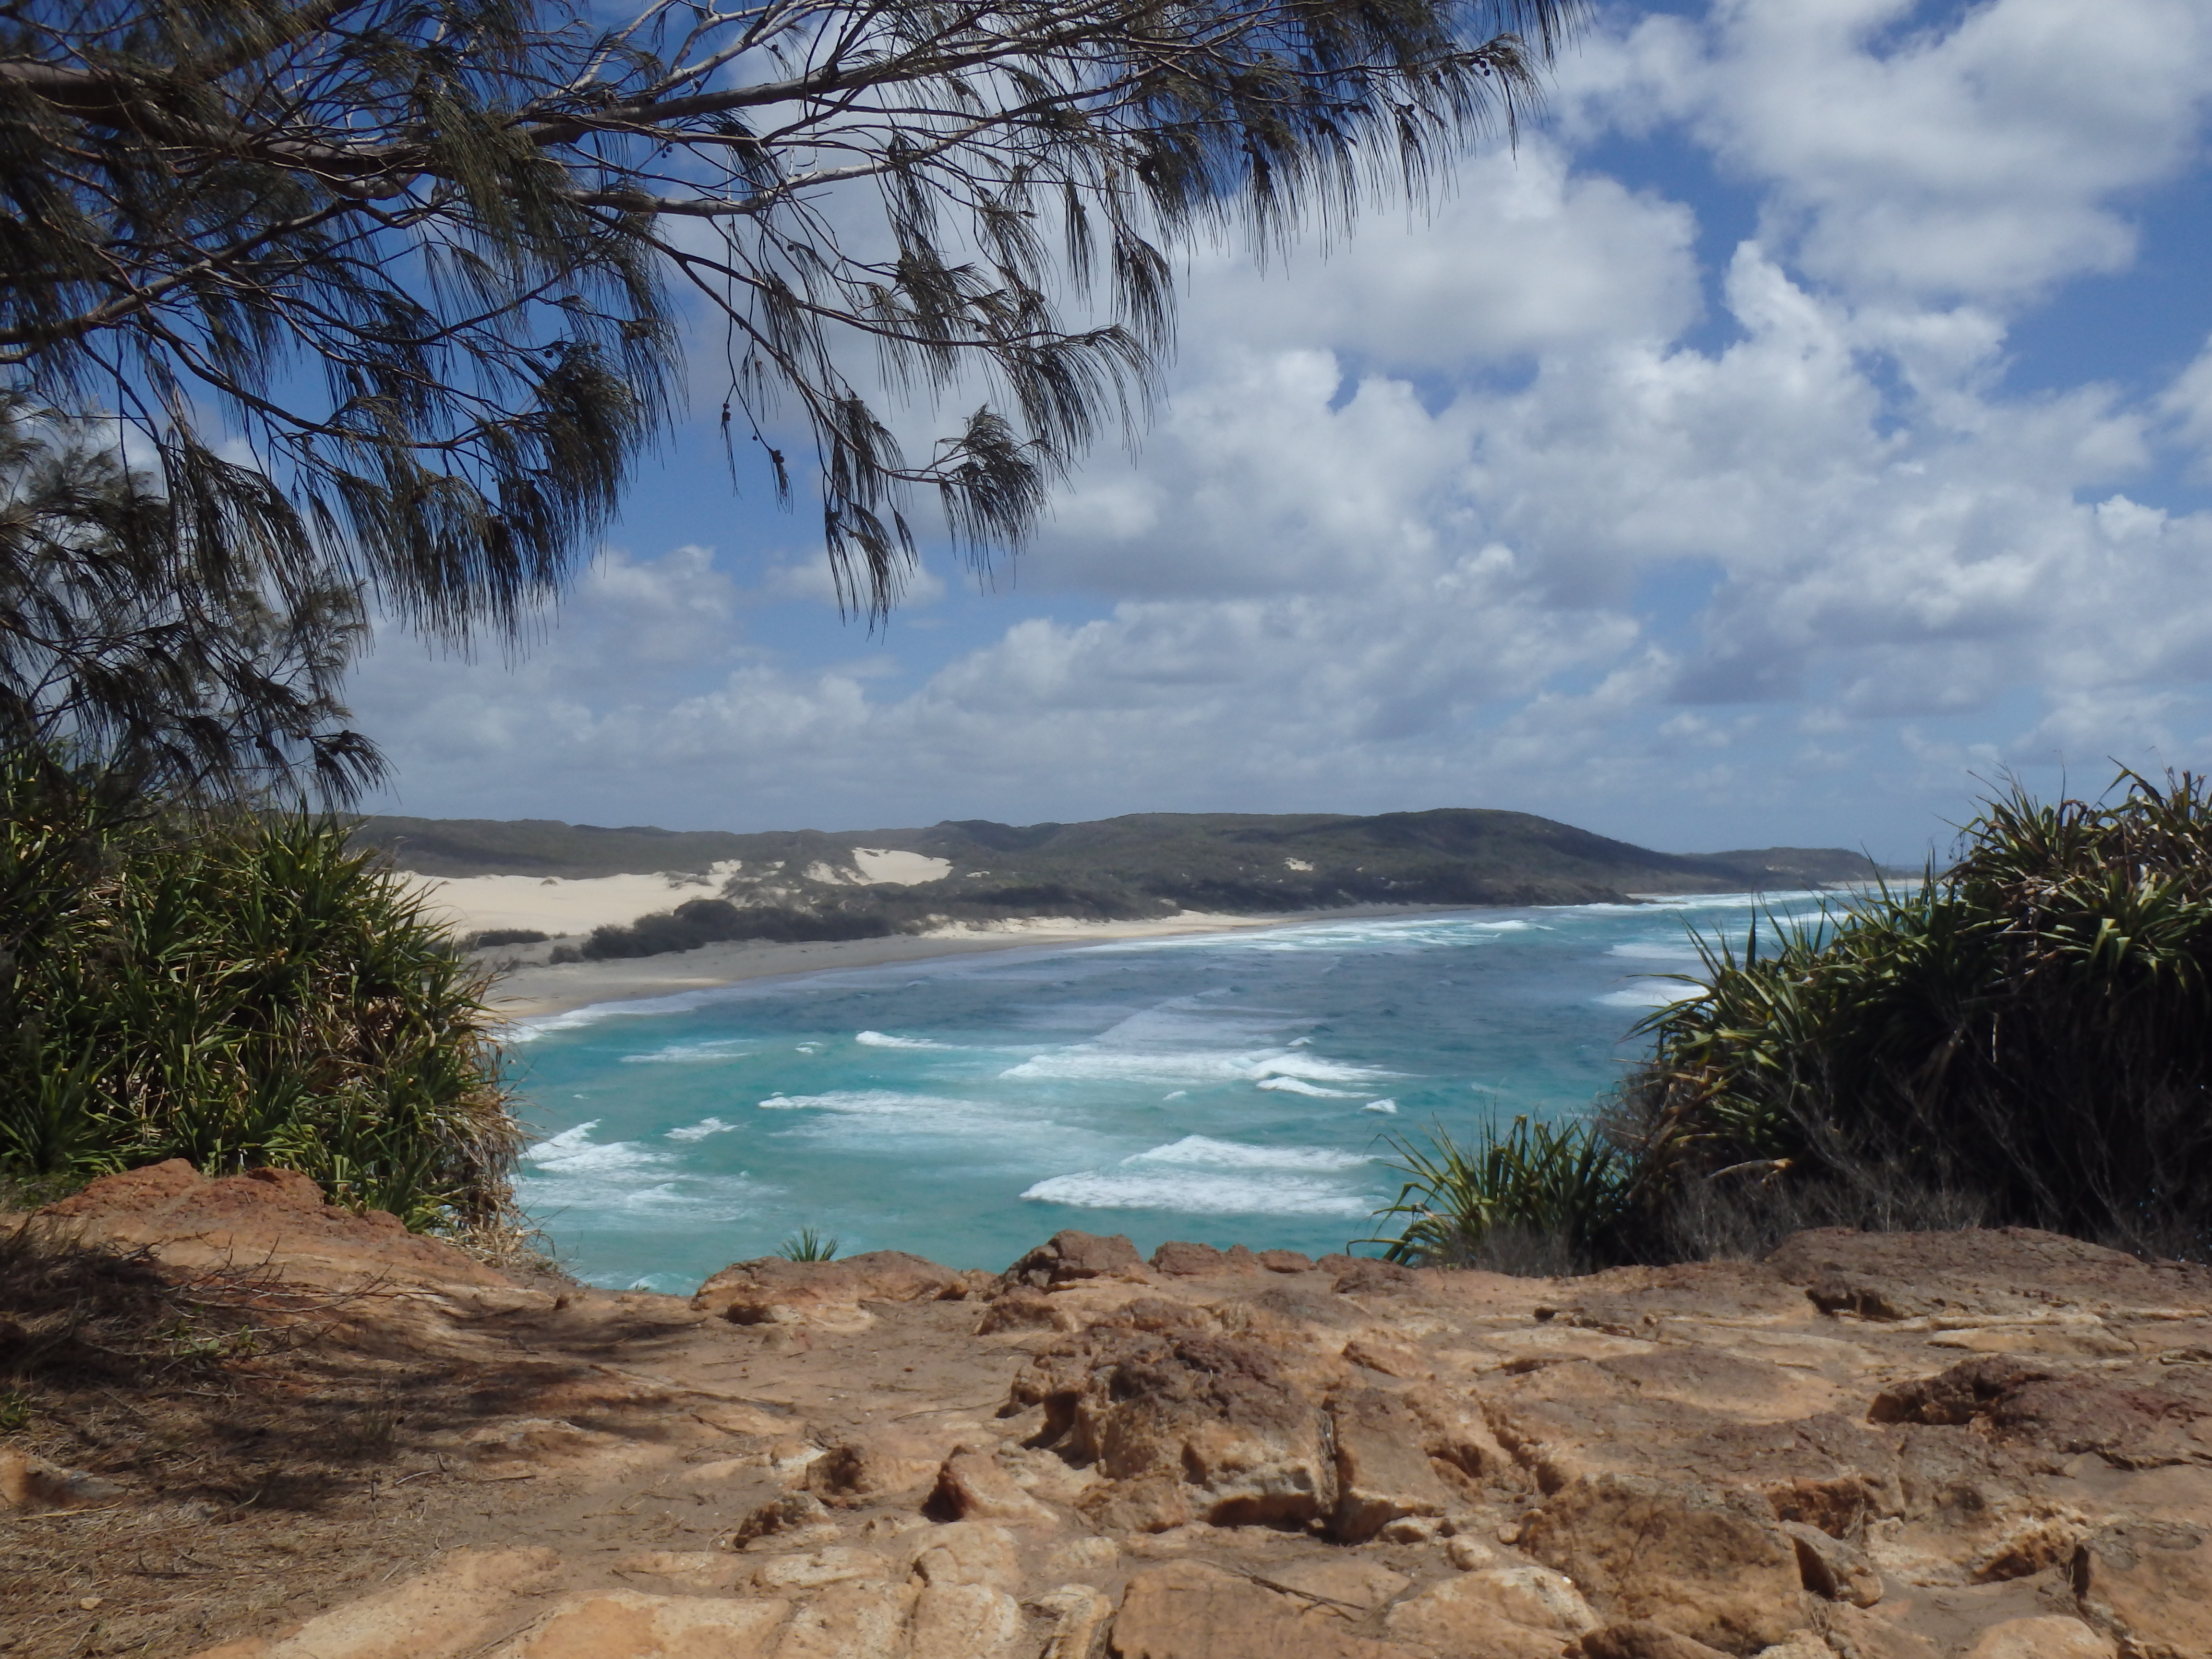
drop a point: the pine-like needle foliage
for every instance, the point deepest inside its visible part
(196, 660)
(415, 256)
(235, 992)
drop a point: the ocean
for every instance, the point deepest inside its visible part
(1230, 1088)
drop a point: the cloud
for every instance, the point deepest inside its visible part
(1516, 504)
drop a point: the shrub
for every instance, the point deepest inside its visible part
(492, 936)
(2025, 1037)
(713, 921)
(237, 991)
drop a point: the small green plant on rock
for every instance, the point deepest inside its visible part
(808, 1244)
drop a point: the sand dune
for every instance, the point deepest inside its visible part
(547, 904)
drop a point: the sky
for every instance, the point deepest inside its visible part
(1806, 429)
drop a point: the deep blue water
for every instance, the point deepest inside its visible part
(1228, 1087)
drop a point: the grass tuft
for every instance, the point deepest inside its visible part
(808, 1245)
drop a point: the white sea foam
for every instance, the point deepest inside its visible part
(573, 1152)
(692, 1053)
(701, 1130)
(1389, 1106)
(1237, 1155)
(881, 1040)
(1300, 1086)
(1650, 993)
(1201, 1194)
(1097, 1062)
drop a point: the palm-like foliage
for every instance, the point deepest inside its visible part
(1556, 1182)
(416, 254)
(2033, 1025)
(238, 992)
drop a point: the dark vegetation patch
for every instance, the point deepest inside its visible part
(2022, 1039)
(234, 990)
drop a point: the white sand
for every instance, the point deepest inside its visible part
(548, 904)
(555, 988)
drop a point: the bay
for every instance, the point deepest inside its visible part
(1230, 1088)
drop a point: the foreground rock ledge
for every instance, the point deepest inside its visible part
(1994, 1445)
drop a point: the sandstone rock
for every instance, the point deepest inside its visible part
(964, 1621)
(1834, 1568)
(1705, 1565)
(2054, 1637)
(1348, 1581)
(791, 1522)
(1366, 1276)
(971, 1485)
(1639, 1638)
(538, 1440)
(1501, 1612)
(28, 1482)
(1083, 1555)
(881, 1464)
(1023, 1309)
(1283, 1261)
(773, 1290)
(1855, 1633)
(1455, 1432)
(1079, 1615)
(1381, 1471)
(1388, 1358)
(470, 1599)
(1178, 1260)
(191, 1220)
(786, 1575)
(1070, 1256)
(857, 1619)
(966, 1552)
(1186, 1610)
(1150, 1504)
(1468, 1553)
(628, 1625)
(1999, 1272)
(2147, 1585)
(697, 1569)
(1225, 1415)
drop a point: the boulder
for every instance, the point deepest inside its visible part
(772, 1291)
(1078, 1614)
(1501, 1612)
(1381, 1471)
(2047, 1638)
(962, 1621)
(791, 1522)
(1023, 1309)
(1639, 1638)
(1187, 1610)
(1834, 1568)
(1178, 1260)
(1221, 1412)
(880, 1464)
(1368, 1276)
(857, 1619)
(2147, 1585)
(1284, 1262)
(630, 1625)
(469, 1599)
(973, 1485)
(1070, 1257)
(1711, 1566)
(965, 1552)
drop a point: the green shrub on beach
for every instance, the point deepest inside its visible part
(236, 990)
(2024, 1038)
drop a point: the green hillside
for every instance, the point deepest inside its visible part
(807, 883)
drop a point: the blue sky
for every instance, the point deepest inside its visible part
(1813, 415)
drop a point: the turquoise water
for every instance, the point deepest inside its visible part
(1226, 1087)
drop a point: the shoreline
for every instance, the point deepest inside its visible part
(542, 990)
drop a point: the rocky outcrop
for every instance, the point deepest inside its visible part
(1828, 1455)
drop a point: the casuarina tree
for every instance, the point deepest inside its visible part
(405, 286)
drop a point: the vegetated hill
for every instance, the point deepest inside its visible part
(810, 883)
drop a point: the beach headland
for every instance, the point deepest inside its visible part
(533, 988)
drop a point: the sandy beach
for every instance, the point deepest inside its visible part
(534, 989)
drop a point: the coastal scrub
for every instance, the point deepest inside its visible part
(236, 990)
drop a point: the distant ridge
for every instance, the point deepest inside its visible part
(812, 883)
